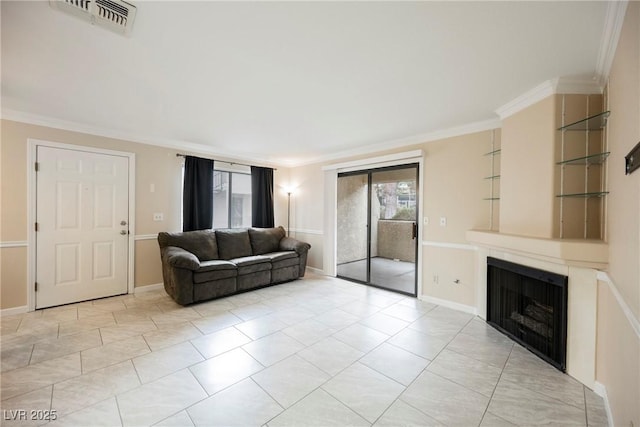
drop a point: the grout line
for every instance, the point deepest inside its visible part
(33, 347)
(269, 394)
(496, 386)
(119, 411)
(138, 373)
(586, 413)
(188, 414)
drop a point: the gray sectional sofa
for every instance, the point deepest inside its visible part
(205, 264)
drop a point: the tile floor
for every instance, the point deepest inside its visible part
(318, 351)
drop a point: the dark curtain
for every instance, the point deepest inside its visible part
(262, 197)
(197, 199)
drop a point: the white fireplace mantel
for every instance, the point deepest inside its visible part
(572, 252)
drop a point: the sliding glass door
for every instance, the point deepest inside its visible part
(377, 227)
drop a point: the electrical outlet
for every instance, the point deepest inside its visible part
(435, 278)
(443, 221)
(158, 216)
(425, 220)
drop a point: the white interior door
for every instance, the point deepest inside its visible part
(82, 217)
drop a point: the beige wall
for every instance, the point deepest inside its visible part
(618, 359)
(155, 167)
(624, 133)
(307, 215)
(13, 277)
(527, 163)
(454, 188)
(618, 355)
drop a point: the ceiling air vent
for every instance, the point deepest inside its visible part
(115, 15)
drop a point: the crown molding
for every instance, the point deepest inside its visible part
(474, 127)
(559, 85)
(610, 36)
(183, 146)
(527, 99)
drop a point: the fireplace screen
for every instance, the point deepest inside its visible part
(530, 306)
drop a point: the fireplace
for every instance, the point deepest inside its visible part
(530, 306)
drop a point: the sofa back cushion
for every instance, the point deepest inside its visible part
(201, 243)
(266, 240)
(233, 243)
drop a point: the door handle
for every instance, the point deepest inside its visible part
(414, 231)
(123, 222)
(124, 232)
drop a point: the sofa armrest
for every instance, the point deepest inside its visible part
(291, 244)
(180, 258)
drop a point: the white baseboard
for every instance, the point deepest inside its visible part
(450, 304)
(316, 271)
(13, 310)
(147, 288)
(601, 390)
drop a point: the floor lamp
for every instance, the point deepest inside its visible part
(288, 211)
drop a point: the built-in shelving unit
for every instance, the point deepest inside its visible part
(582, 161)
(494, 181)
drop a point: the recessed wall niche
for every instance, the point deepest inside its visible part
(581, 161)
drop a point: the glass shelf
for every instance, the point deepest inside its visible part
(585, 195)
(596, 122)
(593, 159)
(493, 153)
(492, 198)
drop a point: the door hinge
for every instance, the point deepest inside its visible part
(37, 227)
(36, 283)
(37, 166)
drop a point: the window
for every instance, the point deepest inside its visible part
(230, 210)
(231, 199)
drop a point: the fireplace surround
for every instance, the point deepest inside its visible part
(530, 306)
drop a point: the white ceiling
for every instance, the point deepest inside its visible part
(290, 82)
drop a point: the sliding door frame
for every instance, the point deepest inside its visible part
(330, 182)
(416, 237)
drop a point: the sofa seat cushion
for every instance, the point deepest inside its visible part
(252, 264)
(283, 259)
(282, 255)
(210, 275)
(216, 264)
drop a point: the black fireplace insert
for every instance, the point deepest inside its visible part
(530, 306)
